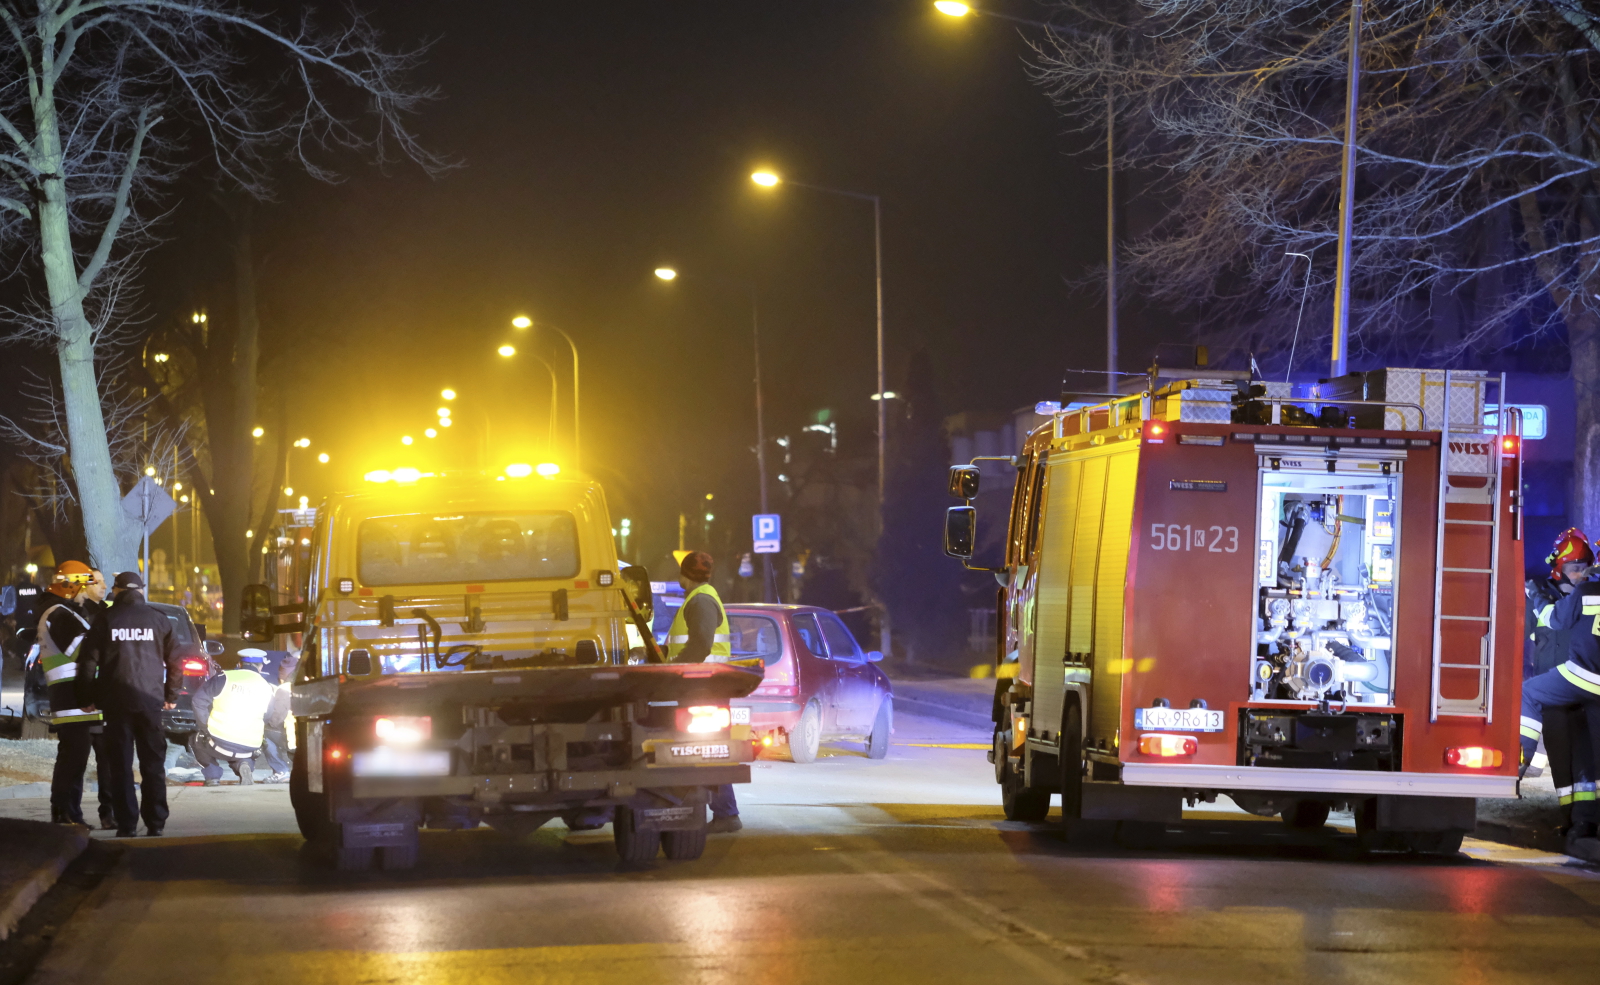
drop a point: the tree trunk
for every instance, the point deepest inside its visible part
(1583, 333)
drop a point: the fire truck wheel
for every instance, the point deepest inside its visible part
(1071, 762)
(882, 725)
(806, 736)
(1306, 815)
(1434, 842)
(1021, 802)
(634, 844)
(684, 846)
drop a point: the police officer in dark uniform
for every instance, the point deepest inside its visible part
(1573, 688)
(129, 669)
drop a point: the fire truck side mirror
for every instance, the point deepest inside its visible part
(964, 482)
(255, 614)
(960, 531)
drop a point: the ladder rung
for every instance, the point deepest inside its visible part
(1472, 571)
(1468, 618)
(1475, 523)
(1466, 666)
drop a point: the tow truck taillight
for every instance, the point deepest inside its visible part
(1473, 757)
(704, 718)
(398, 730)
(1159, 744)
(194, 666)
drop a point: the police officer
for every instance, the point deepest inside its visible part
(1574, 684)
(130, 669)
(232, 709)
(75, 595)
(700, 634)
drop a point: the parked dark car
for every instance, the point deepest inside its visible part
(819, 684)
(199, 663)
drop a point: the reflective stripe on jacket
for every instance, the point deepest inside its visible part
(678, 635)
(61, 667)
(237, 722)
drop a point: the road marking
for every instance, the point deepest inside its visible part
(945, 745)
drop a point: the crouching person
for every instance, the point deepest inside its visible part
(231, 709)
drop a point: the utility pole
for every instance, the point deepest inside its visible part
(1347, 197)
(1111, 245)
(768, 581)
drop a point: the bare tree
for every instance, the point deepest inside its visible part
(99, 98)
(1477, 216)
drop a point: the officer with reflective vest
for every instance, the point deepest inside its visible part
(232, 709)
(74, 598)
(700, 634)
(1571, 692)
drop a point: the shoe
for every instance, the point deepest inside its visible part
(247, 776)
(127, 832)
(213, 783)
(107, 822)
(154, 832)
(1581, 846)
(282, 776)
(724, 825)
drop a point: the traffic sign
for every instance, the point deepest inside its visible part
(768, 530)
(148, 505)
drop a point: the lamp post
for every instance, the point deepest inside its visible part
(770, 179)
(768, 580)
(1347, 198)
(523, 321)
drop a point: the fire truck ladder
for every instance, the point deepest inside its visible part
(1481, 705)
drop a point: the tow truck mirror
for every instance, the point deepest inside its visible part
(960, 530)
(964, 481)
(255, 614)
(636, 582)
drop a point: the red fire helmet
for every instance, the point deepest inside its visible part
(1571, 546)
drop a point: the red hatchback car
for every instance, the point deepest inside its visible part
(819, 683)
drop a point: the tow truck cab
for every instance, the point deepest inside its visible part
(1304, 602)
(472, 654)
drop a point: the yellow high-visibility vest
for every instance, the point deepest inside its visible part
(678, 635)
(238, 714)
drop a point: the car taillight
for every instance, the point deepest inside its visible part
(194, 667)
(1473, 757)
(777, 690)
(1159, 744)
(334, 754)
(704, 718)
(401, 730)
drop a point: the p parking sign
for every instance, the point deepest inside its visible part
(768, 532)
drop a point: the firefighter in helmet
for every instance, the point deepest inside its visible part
(1562, 706)
(1570, 560)
(73, 601)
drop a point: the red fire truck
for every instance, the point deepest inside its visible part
(1304, 604)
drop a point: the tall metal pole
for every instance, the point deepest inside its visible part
(1347, 197)
(768, 582)
(577, 455)
(1111, 246)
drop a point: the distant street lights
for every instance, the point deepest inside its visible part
(770, 179)
(523, 321)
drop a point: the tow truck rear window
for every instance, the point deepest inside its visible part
(431, 549)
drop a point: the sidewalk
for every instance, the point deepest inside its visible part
(1527, 822)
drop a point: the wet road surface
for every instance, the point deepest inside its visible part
(848, 871)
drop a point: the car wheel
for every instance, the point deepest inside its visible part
(1071, 757)
(805, 739)
(1307, 815)
(684, 846)
(1021, 802)
(310, 809)
(634, 844)
(882, 726)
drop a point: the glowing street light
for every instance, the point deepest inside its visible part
(444, 422)
(405, 439)
(323, 458)
(149, 470)
(507, 350)
(288, 490)
(666, 273)
(258, 432)
(447, 393)
(160, 357)
(766, 179)
(952, 9)
(522, 321)
(431, 433)
(443, 412)
(303, 443)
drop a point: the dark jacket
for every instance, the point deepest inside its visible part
(129, 660)
(1550, 645)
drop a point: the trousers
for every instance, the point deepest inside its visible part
(212, 762)
(130, 732)
(276, 748)
(74, 740)
(722, 802)
(1568, 718)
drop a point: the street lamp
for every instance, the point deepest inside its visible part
(507, 350)
(555, 389)
(770, 179)
(523, 321)
(447, 394)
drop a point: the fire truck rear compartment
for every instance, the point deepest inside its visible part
(1319, 740)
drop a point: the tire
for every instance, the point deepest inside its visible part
(1369, 839)
(310, 809)
(1071, 758)
(633, 844)
(1434, 842)
(1022, 803)
(805, 739)
(1307, 815)
(1002, 747)
(684, 846)
(398, 858)
(878, 741)
(353, 859)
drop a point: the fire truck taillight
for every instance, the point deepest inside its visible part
(1473, 757)
(1157, 744)
(1509, 445)
(1157, 430)
(704, 718)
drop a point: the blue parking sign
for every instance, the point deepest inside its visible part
(768, 532)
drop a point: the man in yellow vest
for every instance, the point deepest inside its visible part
(73, 601)
(700, 634)
(232, 709)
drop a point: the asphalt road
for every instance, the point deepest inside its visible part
(848, 871)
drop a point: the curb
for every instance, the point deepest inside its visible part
(16, 900)
(932, 709)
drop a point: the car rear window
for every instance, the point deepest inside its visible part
(180, 626)
(755, 636)
(428, 549)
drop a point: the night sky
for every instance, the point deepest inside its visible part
(598, 141)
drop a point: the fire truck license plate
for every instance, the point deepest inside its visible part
(1178, 719)
(741, 716)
